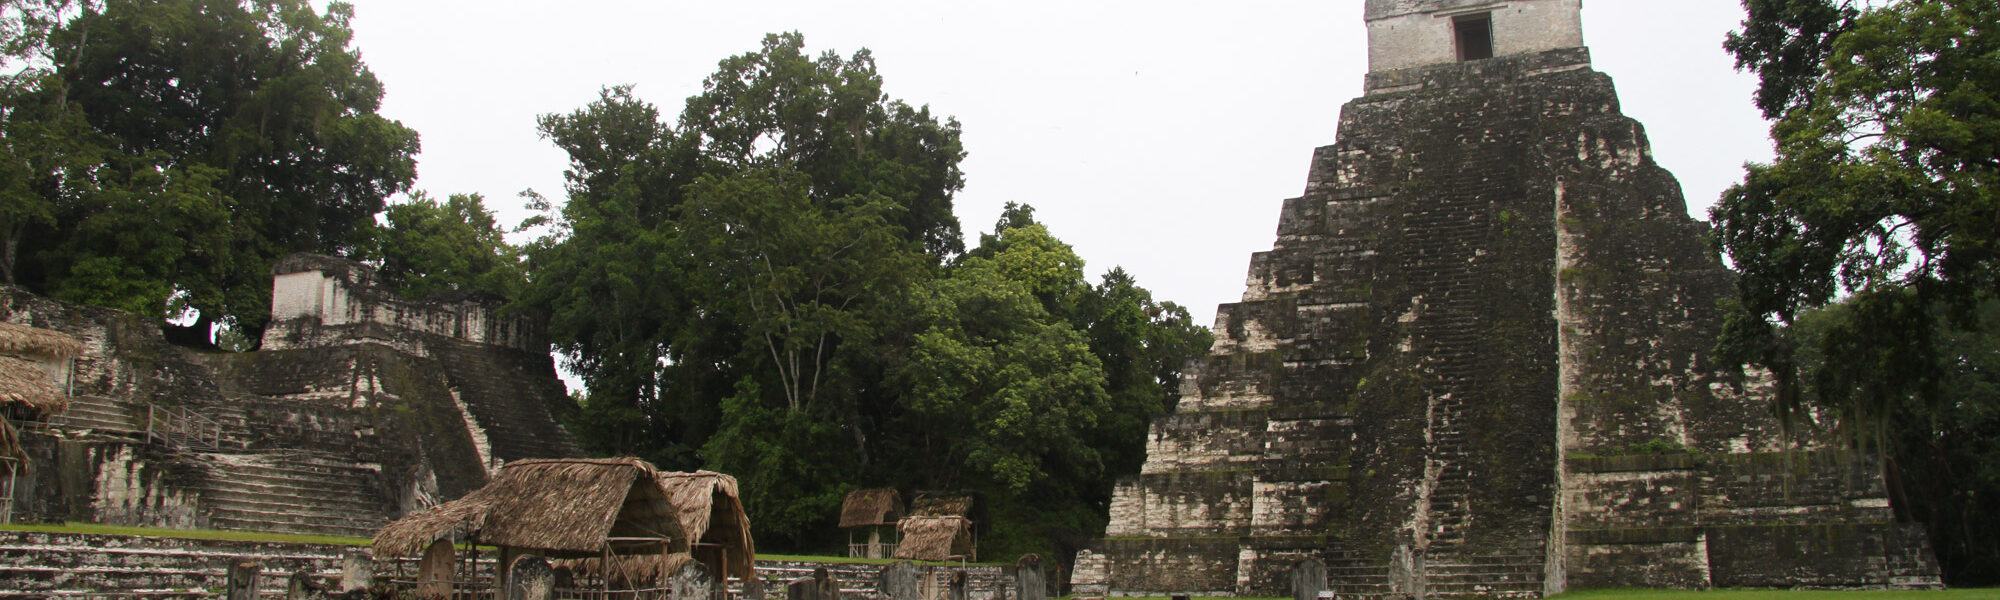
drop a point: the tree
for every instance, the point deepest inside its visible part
(827, 119)
(1940, 443)
(610, 275)
(765, 236)
(775, 287)
(1886, 167)
(454, 245)
(1882, 199)
(250, 122)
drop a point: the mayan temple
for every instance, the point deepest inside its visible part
(1474, 363)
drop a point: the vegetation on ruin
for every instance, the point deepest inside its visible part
(1869, 252)
(774, 286)
(159, 156)
(771, 284)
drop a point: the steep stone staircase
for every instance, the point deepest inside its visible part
(497, 388)
(293, 492)
(98, 414)
(1515, 576)
(316, 492)
(1350, 576)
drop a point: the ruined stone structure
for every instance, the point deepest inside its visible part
(1474, 363)
(360, 407)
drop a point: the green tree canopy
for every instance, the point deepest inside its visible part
(235, 131)
(454, 245)
(1886, 170)
(1882, 200)
(775, 287)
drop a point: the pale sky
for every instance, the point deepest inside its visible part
(1159, 136)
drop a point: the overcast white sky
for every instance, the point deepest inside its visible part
(1159, 136)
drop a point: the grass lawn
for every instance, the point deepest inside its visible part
(198, 534)
(1961, 594)
(1636, 594)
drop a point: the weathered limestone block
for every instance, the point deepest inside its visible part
(1030, 582)
(531, 578)
(242, 582)
(1474, 362)
(694, 582)
(1089, 577)
(898, 582)
(1308, 579)
(357, 572)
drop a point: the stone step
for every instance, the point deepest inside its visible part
(239, 520)
(294, 511)
(250, 497)
(286, 486)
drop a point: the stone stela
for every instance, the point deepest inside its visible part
(1474, 363)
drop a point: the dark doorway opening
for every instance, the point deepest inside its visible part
(1475, 36)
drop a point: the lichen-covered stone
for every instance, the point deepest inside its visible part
(362, 406)
(1474, 363)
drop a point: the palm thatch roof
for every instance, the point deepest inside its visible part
(22, 340)
(27, 390)
(13, 459)
(941, 504)
(934, 538)
(711, 512)
(566, 508)
(871, 508)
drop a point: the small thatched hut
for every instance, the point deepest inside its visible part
(557, 508)
(936, 539)
(874, 511)
(34, 373)
(34, 368)
(941, 504)
(939, 527)
(711, 512)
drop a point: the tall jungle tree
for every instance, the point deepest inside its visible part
(1882, 198)
(175, 148)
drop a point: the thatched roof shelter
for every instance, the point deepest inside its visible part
(563, 508)
(27, 391)
(711, 513)
(26, 388)
(941, 504)
(22, 340)
(935, 538)
(871, 508)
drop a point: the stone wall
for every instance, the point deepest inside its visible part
(1473, 364)
(320, 301)
(362, 407)
(1405, 34)
(42, 565)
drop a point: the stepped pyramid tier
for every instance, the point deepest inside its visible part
(1474, 363)
(361, 407)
